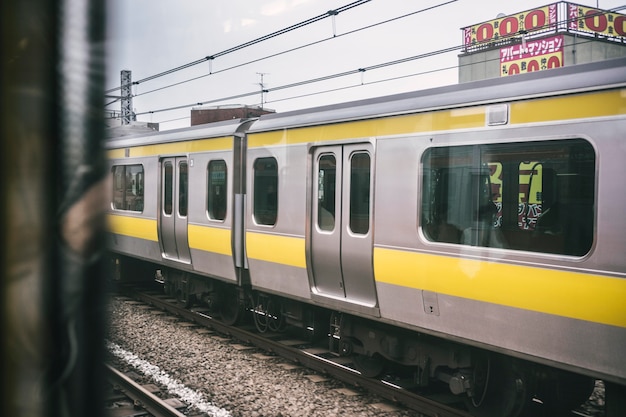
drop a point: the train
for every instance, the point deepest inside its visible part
(474, 234)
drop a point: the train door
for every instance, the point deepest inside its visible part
(173, 210)
(341, 224)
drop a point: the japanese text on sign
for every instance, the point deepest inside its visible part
(540, 19)
(532, 48)
(536, 55)
(586, 19)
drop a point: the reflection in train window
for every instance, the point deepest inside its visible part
(360, 193)
(327, 175)
(265, 191)
(533, 196)
(183, 184)
(216, 196)
(168, 188)
(128, 183)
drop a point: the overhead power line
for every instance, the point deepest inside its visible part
(330, 13)
(309, 81)
(319, 79)
(329, 77)
(297, 48)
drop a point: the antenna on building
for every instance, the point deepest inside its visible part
(263, 90)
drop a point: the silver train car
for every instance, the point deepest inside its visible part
(474, 233)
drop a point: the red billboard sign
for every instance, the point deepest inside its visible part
(587, 19)
(540, 19)
(533, 55)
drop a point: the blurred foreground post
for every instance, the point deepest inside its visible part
(53, 197)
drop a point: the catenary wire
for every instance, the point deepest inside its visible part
(288, 29)
(324, 78)
(296, 48)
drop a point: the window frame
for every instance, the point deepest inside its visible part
(211, 196)
(566, 169)
(262, 212)
(136, 186)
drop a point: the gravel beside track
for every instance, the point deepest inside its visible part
(224, 381)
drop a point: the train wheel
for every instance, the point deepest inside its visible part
(369, 366)
(168, 289)
(499, 389)
(183, 298)
(615, 399)
(230, 306)
(566, 392)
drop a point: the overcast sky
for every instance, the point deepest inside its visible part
(148, 37)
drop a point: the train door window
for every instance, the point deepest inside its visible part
(183, 185)
(532, 196)
(360, 192)
(168, 189)
(216, 196)
(128, 187)
(326, 192)
(265, 196)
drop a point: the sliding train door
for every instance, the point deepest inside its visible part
(173, 209)
(341, 224)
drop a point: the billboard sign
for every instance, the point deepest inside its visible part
(561, 17)
(541, 19)
(533, 55)
(600, 22)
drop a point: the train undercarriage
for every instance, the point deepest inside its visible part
(490, 384)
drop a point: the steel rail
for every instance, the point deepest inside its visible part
(148, 401)
(345, 374)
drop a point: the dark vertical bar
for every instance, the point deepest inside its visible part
(53, 196)
(28, 145)
(82, 194)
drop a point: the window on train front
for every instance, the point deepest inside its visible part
(360, 193)
(216, 204)
(265, 191)
(128, 185)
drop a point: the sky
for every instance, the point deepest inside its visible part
(149, 37)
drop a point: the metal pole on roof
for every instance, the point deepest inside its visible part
(126, 80)
(263, 90)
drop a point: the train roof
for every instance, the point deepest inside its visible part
(597, 75)
(204, 131)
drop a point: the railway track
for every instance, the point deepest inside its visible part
(144, 402)
(303, 353)
(320, 359)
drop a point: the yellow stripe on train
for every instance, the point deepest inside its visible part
(210, 239)
(286, 250)
(138, 227)
(594, 104)
(587, 297)
(175, 148)
(606, 103)
(464, 118)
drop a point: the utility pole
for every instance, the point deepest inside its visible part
(127, 114)
(263, 90)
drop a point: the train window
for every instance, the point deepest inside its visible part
(265, 191)
(168, 188)
(327, 176)
(535, 196)
(128, 183)
(216, 196)
(183, 182)
(360, 193)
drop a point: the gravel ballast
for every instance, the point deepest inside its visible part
(218, 380)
